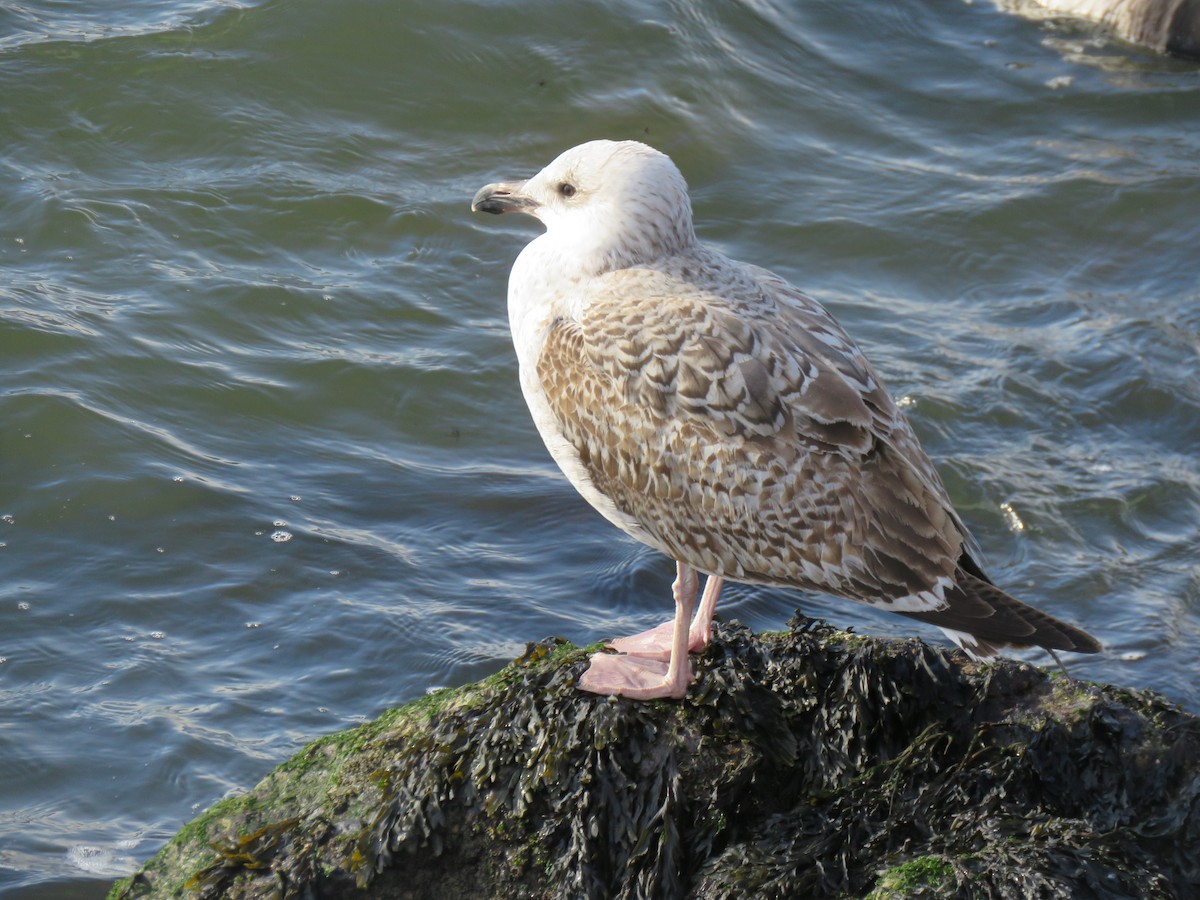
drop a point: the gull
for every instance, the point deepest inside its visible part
(713, 411)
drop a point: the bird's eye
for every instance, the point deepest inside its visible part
(566, 189)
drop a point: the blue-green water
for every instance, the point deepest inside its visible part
(264, 465)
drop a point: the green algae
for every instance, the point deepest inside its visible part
(808, 763)
(926, 876)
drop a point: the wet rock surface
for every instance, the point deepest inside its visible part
(1168, 26)
(809, 763)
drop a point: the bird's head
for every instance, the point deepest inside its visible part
(616, 203)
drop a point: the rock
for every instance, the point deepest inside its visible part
(1168, 26)
(810, 763)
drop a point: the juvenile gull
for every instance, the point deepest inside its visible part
(713, 411)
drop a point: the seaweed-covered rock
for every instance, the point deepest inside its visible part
(809, 763)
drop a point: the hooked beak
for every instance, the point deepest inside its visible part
(504, 197)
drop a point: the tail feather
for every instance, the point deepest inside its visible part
(981, 619)
(974, 647)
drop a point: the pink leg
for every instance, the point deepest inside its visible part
(656, 643)
(641, 678)
(701, 630)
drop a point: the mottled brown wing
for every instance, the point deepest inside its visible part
(821, 336)
(748, 443)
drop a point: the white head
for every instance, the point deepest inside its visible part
(609, 204)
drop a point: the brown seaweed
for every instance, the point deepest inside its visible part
(809, 763)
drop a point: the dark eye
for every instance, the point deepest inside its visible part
(566, 189)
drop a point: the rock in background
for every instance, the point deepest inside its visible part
(1168, 26)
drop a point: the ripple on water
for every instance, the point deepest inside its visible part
(228, 316)
(105, 862)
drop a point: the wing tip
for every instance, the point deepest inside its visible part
(1007, 622)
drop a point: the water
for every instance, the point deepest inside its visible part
(264, 466)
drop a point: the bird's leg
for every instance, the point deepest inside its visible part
(701, 630)
(1061, 665)
(657, 642)
(644, 678)
(679, 670)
